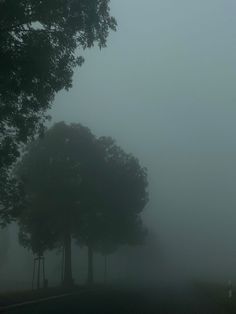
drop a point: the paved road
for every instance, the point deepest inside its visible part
(175, 300)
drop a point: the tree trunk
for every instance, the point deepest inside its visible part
(68, 281)
(62, 264)
(90, 265)
(105, 268)
(39, 264)
(33, 274)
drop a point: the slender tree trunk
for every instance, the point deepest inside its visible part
(62, 264)
(90, 265)
(105, 268)
(68, 281)
(44, 279)
(33, 274)
(39, 264)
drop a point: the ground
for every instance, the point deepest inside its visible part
(179, 299)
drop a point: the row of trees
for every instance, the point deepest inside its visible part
(69, 184)
(78, 186)
(40, 45)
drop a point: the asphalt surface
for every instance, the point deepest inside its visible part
(168, 300)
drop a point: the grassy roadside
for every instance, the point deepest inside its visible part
(14, 297)
(217, 293)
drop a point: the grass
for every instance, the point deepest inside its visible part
(218, 294)
(14, 297)
(103, 300)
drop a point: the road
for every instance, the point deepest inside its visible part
(175, 300)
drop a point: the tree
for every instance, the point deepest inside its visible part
(4, 246)
(12, 201)
(12, 197)
(57, 170)
(106, 248)
(36, 234)
(113, 208)
(38, 53)
(90, 189)
(109, 239)
(126, 193)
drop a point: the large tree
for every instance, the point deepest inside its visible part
(92, 189)
(36, 233)
(39, 41)
(57, 171)
(116, 201)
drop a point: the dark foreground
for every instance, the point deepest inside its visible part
(178, 300)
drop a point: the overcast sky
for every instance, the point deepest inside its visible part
(165, 89)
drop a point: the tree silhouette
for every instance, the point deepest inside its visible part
(113, 208)
(12, 197)
(56, 171)
(38, 53)
(36, 233)
(79, 186)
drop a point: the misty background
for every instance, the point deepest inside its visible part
(164, 88)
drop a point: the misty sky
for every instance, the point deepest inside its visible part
(165, 89)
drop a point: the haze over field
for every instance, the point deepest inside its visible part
(164, 88)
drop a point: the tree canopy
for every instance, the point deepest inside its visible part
(39, 41)
(119, 196)
(36, 232)
(80, 186)
(12, 197)
(57, 170)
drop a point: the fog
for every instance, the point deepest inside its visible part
(164, 88)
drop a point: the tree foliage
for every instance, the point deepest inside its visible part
(56, 171)
(36, 232)
(38, 53)
(12, 197)
(53, 171)
(112, 210)
(84, 187)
